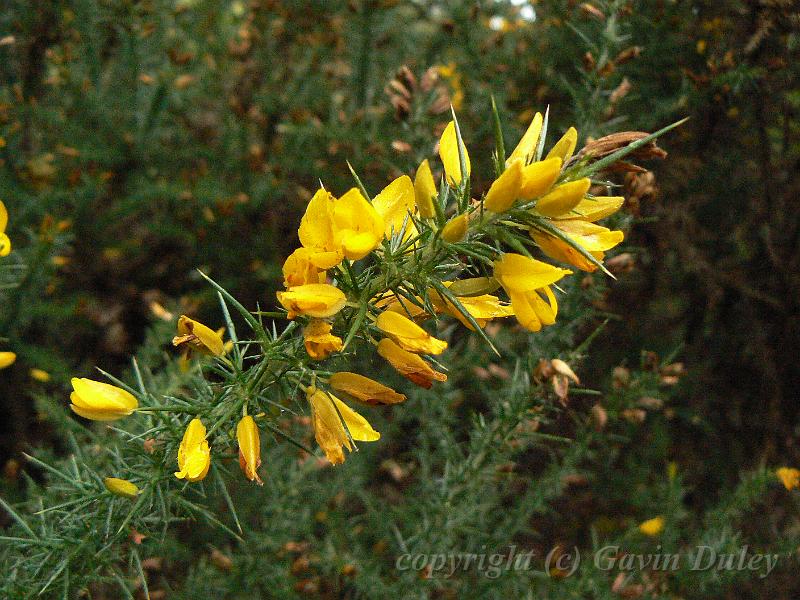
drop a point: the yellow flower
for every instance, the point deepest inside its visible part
(409, 365)
(563, 198)
(652, 527)
(594, 209)
(789, 477)
(121, 487)
(564, 147)
(39, 375)
(100, 401)
(395, 203)
(334, 229)
(425, 190)
(5, 243)
(525, 280)
(194, 455)
(482, 308)
(7, 359)
(593, 238)
(319, 300)
(319, 341)
(448, 152)
(249, 448)
(520, 274)
(299, 270)
(363, 389)
(316, 231)
(196, 336)
(506, 189)
(456, 228)
(408, 335)
(526, 148)
(539, 177)
(329, 430)
(357, 226)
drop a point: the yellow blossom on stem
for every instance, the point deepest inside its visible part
(316, 231)
(409, 365)
(196, 336)
(319, 341)
(594, 239)
(506, 189)
(299, 270)
(194, 454)
(652, 527)
(564, 147)
(518, 273)
(358, 227)
(482, 308)
(334, 229)
(121, 487)
(594, 209)
(408, 335)
(320, 300)
(790, 478)
(249, 448)
(5, 243)
(395, 204)
(456, 228)
(7, 359)
(329, 416)
(525, 280)
(425, 190)
(363, 389)
(448, 152)
(539, 177)
(527, 145)
(100, 401)
(563, 198)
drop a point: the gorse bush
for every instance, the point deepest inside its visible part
(356, 311)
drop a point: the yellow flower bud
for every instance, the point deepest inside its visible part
(409, 365)
(249, 448)
(539, 177)
(197, 336)
(7, 359)
(319, 341)
(456, 229)
(563, 199)
(564, 147)
(329, 431)
(100, 401)
(363, 389)
(652, 527)
(194, 454)
(408, 334)
(527, 145)
(448, 152)
(505, 190)
(121, 487)
(320, 300)
(425, 190)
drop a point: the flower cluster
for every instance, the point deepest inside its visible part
(382, 271)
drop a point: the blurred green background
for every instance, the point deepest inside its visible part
(142, 140)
